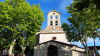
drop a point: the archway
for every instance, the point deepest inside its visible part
(52, 51)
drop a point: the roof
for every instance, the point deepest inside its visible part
(51, 29)
(54, 11)
(92, 47)
(60, 43)
(78, 51)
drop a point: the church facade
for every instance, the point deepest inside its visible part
(53, 41)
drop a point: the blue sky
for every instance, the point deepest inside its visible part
(59, 5)
(49, 5)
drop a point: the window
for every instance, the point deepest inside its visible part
(56, 23)
(54, 38)
(51, 17)
(51, 23)
(56, 17)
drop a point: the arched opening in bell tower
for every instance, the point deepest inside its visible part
(51, 23)
(56, 23)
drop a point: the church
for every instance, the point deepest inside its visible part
(52, 40)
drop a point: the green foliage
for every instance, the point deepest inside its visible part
(84, 21)
(81, 4)
(19, 20)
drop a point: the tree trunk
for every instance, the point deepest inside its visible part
(95, 49)
(11, 48)
(23, 48)
(86, 48)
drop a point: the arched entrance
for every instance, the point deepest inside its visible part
(52, 51)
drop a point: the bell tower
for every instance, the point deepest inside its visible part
(54, 18)
(53, 31)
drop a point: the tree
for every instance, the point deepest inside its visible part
(5, 18)
(84, 19)
(21, 20)
(76, 32)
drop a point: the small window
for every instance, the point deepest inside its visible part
(56, 23)
(56, 17)
(54, 38)
(51, 17)
(51, 23)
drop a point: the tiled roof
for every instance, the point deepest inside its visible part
(52, 29)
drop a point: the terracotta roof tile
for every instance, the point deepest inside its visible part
(51, 29)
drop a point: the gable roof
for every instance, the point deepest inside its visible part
(60, 43)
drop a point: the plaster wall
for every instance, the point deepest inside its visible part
(48, 37)
(75, 53)
(77, 48)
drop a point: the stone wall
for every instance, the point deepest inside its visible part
(42, 49)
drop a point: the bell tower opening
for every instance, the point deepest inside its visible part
(52, 51)
(56, 23)
(51, 23)
(54, 16)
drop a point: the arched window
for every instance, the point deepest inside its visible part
(51, 23)
(56, 17)
(56, 23)
(51, 17)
